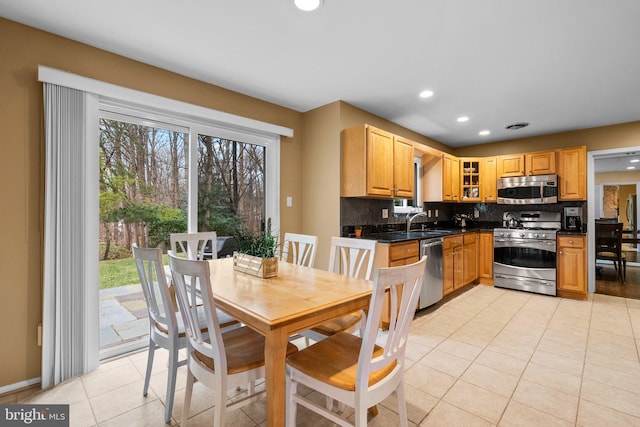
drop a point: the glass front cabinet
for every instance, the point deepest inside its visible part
(470, 179)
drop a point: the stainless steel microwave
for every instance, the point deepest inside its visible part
(528, 190)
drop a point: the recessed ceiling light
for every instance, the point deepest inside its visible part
(426, 94)
(307, 5)
(484, 132)
(631, 167)
(463, 119)
(634, 161)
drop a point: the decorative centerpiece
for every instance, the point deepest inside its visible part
(257, 254)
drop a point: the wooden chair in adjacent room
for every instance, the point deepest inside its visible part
(609, 246)
(299, 249)
(222, 360)
(354, 370)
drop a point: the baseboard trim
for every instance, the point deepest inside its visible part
(10, 388)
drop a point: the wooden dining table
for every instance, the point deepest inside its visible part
(297, 299)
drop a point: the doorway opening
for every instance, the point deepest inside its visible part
(614, 184)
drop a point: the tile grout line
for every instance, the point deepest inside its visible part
(476, 357)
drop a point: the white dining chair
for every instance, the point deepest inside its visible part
(299, 249)
(166, 328)
(195, 245)
(221, 360)
(354, 370)
(350, 257)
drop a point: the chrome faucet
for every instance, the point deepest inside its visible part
(411, 218)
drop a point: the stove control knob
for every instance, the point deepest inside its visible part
(544, 236)
(522, 235)
(536, 236)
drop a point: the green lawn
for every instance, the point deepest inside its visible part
(120, 272)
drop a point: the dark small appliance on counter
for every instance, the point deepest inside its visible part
(572, 219)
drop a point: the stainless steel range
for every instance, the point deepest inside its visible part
(524, 251)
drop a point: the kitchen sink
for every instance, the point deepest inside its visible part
(412, 235)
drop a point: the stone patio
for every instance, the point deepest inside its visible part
(123, 316)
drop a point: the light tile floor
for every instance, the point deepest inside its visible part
(488, 357)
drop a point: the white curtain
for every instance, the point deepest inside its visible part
(70, 301)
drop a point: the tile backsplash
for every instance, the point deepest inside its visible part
(367, 213)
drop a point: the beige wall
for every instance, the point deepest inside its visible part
(22, 49)
(625, 177)
(600, 138)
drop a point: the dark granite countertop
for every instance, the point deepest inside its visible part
(571, 233)
(403, 236)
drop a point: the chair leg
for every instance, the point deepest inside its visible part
(171, 383)
(220, 404)
(291, 407)
(187, 398)
(402, 405)
(361, 416)
(147, 375)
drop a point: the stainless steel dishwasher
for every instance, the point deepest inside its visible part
(431, 291)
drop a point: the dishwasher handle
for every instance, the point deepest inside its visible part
(432, 244)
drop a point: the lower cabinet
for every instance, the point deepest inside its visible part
(452, 264)
(571, 266)
(399, 254)
(470, 257)
(485, 257)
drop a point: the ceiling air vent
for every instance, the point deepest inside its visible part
(517, 126)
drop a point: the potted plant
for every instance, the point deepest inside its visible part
(358, 230)
(257, 254)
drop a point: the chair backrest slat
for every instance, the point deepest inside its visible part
(355, 257)
(192, 281)
(154, 286)
(194, 245)
(404, 284)
(299, 249)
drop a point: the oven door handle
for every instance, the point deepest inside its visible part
(545, 242)
(541, 192)
(522, 279)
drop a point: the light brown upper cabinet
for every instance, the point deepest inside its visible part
(470, 179)
(450, 178)
(403, 171)
(538, 163)
(478, 179)
(488, 180)
(572, 173)
(376, 163)
(511, 165)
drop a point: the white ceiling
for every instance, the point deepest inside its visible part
(558, 64)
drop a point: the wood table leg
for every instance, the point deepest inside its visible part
(275, 352)
(373, 411)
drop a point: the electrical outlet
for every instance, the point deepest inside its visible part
(289, 201)
(385, 213)
(436, 213)
(428, 213)
(476, 213)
